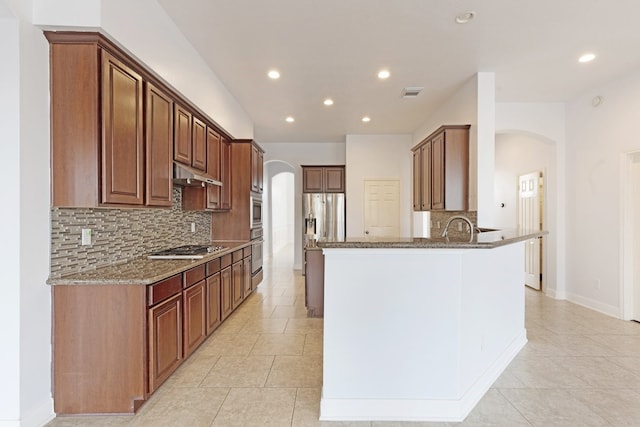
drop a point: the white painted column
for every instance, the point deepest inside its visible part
(485, 165)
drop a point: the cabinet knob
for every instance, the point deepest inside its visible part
(366, 232)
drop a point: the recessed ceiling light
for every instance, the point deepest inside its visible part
(328, 101)
(384, 74)
(273, 74)
(587, 57)
(366, 119)
(290, 119)
(464, 17)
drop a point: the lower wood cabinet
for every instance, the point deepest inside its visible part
(165, 340)
(114, 345)
(195, 318)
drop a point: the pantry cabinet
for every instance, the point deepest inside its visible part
(441, 170)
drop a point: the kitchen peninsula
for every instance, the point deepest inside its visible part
(419, 329)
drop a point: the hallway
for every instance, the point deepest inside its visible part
(263, 367)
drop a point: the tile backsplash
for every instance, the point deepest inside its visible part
(121, 234)
(439, 220)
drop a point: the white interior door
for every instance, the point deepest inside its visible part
(382, 208)
(529, 218)
(635, 215)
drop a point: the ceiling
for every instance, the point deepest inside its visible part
(335, 48)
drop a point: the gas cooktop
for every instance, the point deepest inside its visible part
(186, 252)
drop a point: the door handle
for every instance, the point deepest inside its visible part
(366, 232)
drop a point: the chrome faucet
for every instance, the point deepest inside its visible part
(460, 217)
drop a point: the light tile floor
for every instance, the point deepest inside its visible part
(263, 367)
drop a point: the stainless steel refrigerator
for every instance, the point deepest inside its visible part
(324, 217)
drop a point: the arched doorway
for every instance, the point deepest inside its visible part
(279, 211)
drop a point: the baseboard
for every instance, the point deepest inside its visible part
(555, 294)
(595, 305)
(409, 410)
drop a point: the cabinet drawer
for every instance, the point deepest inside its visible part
(164, 289)
(225, 261)
(237, 256)
(246, 252)
(213, 267)
(194, 275)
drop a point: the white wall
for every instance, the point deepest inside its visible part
(144, 29)
(25, 368)
(297, 154)
(377, 157)
(596, 139)
(282, 209)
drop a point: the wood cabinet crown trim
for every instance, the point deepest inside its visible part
(436, 132)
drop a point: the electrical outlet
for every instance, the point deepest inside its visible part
(459, 226)
(86, 236)
(437, 224)
(193, 227)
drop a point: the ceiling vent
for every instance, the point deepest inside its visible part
(411, 92)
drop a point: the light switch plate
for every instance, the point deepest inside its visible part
(86, 236)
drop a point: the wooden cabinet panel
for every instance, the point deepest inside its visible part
(237, 279)
(164, 289)
(437, 172)
(334, 180)
(260, 171)
(246, 275)
(159, 147)
(417, 180)
(225, 175)
(199, 144)
(195, 320)
(312, 181)
(226, 292)
(214, 312)
(165, 340)
(182, 135)
(122, 133)
(257, 165)
(213, 154)
(314, 282)
(426, 181)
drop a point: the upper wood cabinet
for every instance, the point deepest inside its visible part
(257, 165)
(159, 144)
(441, 170)
(323, 179)
(116, 128)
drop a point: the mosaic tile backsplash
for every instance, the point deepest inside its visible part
(439, 221)
(121, 234)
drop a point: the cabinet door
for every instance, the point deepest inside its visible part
(225, 175)
(237, 279)
(159, 148)
(165, 340)
(426, 196)
(417, 180)
(122, 134)
(246, 267)
(456, 169)
(437, 172)
(213, 154)
(334, 180)
(312, 180)
(199, 144)
(214, 313)
(195, 322)
(226, 292)
(260, 171)
(182, 136)
(255, 158)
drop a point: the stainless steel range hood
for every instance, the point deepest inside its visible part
(187, 176)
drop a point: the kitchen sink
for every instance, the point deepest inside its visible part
(484, 230)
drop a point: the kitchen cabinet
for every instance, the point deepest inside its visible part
(323, 179)
(226, 198)
(246, 276)
(195, 322)
(235, 224)
(314, 282)
(214, 313)
(237, 279)
(165, 340)
(257, 165)
(159, 143)
(122, 141)
(441, 170)
(226, 287)
(190, 139)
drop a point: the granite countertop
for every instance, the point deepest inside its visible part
(142, 271)
(485, 240)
